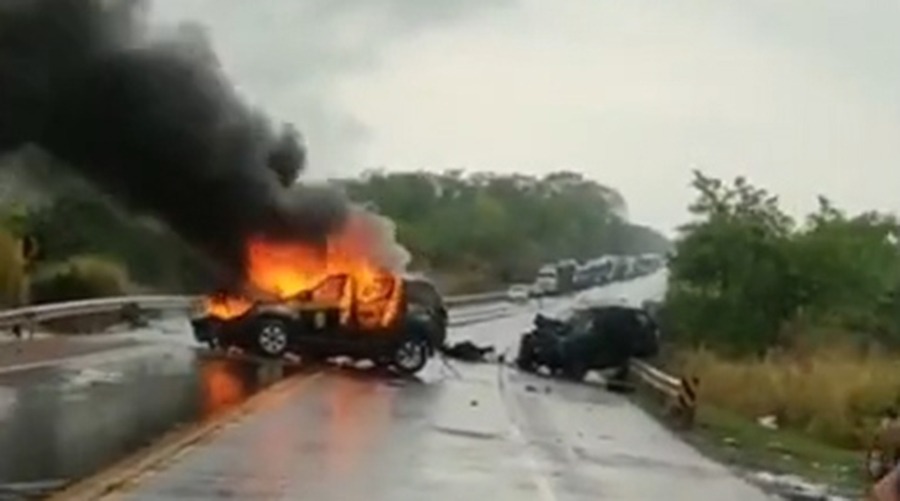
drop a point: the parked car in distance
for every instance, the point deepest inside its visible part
(519, 292)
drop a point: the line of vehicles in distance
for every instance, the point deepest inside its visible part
(568, 275)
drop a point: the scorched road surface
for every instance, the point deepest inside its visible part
(462, 432)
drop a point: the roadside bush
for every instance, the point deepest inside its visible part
(80, 277)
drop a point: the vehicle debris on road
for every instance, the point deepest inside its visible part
(467, 351)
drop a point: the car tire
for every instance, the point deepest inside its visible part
(525, 358)
(411, 355)
(618, 382)
(272, 337)
(575, 371)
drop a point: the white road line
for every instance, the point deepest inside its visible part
(540, 479)
(545, 490)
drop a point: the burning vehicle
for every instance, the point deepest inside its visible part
(319, 303)
(150, 118)
(591, 337)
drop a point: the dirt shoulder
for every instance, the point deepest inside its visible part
(776, 457)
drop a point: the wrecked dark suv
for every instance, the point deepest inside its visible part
(398, 324)
(589, 338)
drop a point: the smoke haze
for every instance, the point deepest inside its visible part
(156, 123)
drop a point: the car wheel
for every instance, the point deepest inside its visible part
(410, 356)
(618, 381)
(575, 371)
(526, 359)
(272, 337)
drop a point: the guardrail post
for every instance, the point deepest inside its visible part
(31, 326)
(678, 395)
(687, 401)
(133, 314)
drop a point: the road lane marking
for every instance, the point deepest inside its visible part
(545, 490)
(127, 473)
(540, 479)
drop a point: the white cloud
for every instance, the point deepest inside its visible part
(634, 94)
(288, 56)
(802, 97)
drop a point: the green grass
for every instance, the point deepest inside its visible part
(735, 440)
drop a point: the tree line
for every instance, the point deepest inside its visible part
(746, 277)
(488, 228)
(502, 227)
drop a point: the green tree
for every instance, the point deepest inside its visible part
(503, 226)
(744, 272)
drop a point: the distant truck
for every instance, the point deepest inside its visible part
(594, 273)
(650, 263)
(546, 281)
(556, 278)
(565, 276)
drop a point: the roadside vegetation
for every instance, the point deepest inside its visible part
(491, 229)
(797, 323)
(471, 232)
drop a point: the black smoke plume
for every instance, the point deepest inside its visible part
(154, 122)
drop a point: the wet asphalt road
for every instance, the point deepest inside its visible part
(60, 422)
(67, 421)
(471, 432)
(460, 430)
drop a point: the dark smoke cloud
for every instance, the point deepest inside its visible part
(156, 123)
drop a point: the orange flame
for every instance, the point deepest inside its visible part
(341, 273)
(226, 307)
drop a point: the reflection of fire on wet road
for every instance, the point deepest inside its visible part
(359, 412)
(223, 387)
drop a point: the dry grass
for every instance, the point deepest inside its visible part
(12, 272)
(835, 394)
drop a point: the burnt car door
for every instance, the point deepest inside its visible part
(424, 300)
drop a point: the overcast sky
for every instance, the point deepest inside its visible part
(802, 97)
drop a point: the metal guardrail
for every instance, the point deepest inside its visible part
(679, 394)
(41, 313)
(468, 299)
(53, 311)
(474, 314)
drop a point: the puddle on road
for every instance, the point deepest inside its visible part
(66, 423)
